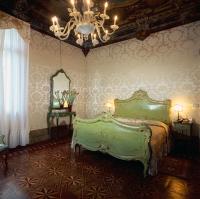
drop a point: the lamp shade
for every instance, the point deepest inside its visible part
(178, 108)
(109, 105)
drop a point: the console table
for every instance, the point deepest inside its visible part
(58, 113)
(61, 100)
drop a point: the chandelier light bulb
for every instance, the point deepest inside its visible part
(115, 19)
(88, 4)
(56, 28)
(79, 41)
(94, 40)
(54, 20)
(105, 7)
(114, 27)
(73, 5)
(106, 4)
(72, 2)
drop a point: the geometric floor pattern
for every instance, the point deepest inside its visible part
(52, 171)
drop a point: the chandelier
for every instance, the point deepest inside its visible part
(87, 25)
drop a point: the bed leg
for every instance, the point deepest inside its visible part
(146, 169)
(79, 148)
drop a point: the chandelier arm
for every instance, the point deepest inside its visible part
(76, 18)
(102, 20)
(104, 30)
(75, 14)
(100, 25)
(67, 26)
(62, 39)
(99, 33)
(65, 33)
(106, 37)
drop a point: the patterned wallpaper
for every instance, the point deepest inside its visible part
(166, 65)
(44, 62)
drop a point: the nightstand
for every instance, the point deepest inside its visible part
(182, 137)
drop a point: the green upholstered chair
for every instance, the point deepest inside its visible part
(3, 150)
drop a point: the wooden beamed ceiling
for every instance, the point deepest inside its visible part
(137, 18)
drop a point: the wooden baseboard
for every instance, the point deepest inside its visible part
(38, 135)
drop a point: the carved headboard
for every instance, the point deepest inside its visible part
(141, 106)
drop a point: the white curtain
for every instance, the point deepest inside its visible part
(14, 65)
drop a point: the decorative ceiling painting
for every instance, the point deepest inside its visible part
(136, 18)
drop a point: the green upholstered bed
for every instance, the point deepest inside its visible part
(110, 134)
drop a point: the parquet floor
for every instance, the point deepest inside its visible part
(51, 170)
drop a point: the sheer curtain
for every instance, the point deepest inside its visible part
(14, 58)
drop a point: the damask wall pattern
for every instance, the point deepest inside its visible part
(44, 62)
(166, 65)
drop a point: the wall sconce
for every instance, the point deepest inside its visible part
(178, 108)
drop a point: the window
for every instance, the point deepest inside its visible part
(13, 53)
(14, 87)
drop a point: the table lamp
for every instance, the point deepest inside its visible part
(178, 108)
(109, 106)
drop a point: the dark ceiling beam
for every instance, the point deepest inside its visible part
(137, 18)
(85, 51)
(133, 34)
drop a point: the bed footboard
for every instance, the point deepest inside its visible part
(107, 135)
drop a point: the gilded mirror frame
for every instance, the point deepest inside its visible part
(52, 86)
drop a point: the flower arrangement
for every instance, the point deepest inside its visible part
(66, 97)
(69, 96)
(57, 97)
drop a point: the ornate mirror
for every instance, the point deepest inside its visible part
(60, 83)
